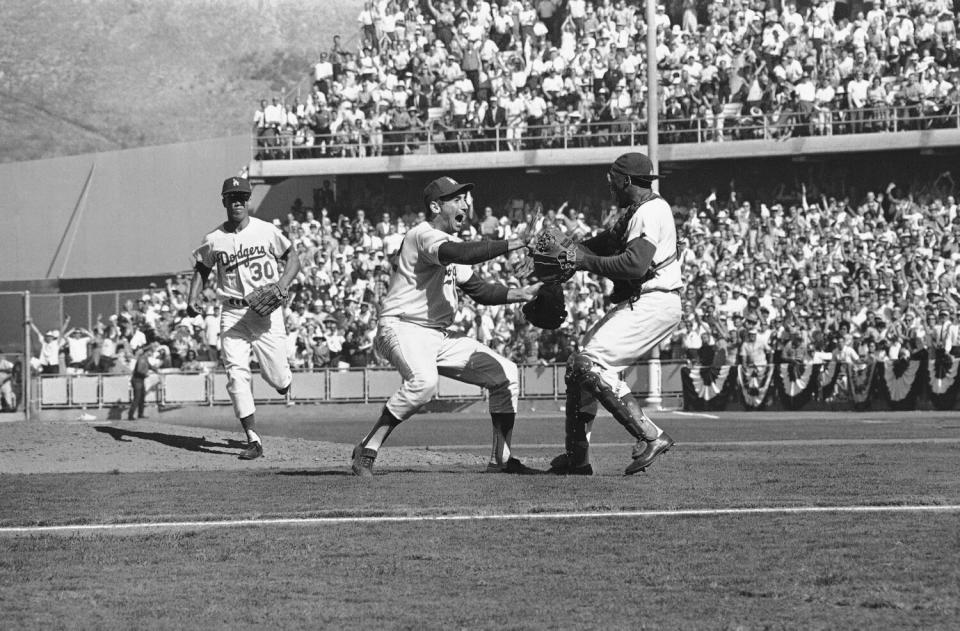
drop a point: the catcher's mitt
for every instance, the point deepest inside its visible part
(555, 256)
(546, 311)
(266, 299)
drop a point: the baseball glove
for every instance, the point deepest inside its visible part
(547, 310)
(266, 299)
(555, 256)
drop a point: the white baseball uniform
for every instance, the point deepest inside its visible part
(634, 327)
(243, 261)
(419, 307)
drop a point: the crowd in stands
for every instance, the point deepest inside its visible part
(803, 276)
(809, 275)
(480, 75)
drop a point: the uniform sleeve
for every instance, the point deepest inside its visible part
(279, 243)
(463, 272)
(204, 254)
(428, 245)
(648, 223)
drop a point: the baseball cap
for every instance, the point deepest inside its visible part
(235, 185)
(444, 187)
(634, 164)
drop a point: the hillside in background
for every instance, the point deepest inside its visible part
(80, 76)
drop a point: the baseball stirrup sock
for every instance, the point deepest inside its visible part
(380, 431)
(247, 423)
(502, 435)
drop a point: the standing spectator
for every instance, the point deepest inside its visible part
(51, 345)
(489, 225)
(753, 351)
(78, 348)
(273, 115)
(368, 25)
(138, 380)
(493, 124)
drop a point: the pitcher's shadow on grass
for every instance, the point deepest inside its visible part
(189, 443)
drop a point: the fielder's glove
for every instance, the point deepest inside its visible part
(547, 310)
(266, 299)
(556, 256)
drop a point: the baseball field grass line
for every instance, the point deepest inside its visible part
(567, 515)
(787, 442)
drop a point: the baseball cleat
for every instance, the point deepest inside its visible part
(363, 460)
(644, 452)
(252, 452)
(512, 466)
(561, 466)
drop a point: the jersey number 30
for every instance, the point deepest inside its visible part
(260, 270)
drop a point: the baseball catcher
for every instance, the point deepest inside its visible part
(639, 255)
(266, 299)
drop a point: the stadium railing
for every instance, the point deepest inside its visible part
(329, 385)
(728, 125)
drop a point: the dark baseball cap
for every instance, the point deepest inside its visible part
(634, 164)
(236, 185)
(444, 187)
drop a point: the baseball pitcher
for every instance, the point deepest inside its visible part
(253, 266)
(432, 267)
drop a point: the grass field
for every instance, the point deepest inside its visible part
(802, 521)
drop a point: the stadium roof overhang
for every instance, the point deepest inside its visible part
(925, 141)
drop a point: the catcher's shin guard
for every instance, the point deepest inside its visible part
(625, 410)
(576, 456)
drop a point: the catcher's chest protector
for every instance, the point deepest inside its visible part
(624, 289)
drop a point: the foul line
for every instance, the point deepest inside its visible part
(787, 442)
(380, 519)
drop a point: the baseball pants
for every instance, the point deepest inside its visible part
(626, 333)
(422, 354)
(242, 330)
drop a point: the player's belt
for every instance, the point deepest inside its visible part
(235, 302)
(666, 291)
(632, 299)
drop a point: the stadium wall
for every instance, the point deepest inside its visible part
(110, 214)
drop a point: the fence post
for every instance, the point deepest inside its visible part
(26, 369)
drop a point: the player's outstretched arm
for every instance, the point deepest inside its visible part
(496, 294)
(632, 264)
(474, 252)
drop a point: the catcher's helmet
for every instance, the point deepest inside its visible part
(634, 164)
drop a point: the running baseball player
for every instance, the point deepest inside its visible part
(254, 267)
(639, 254)
(420, 304)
